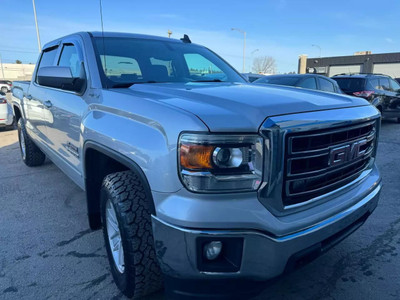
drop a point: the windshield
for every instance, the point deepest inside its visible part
(351, 84)
(278, 80)
(126, 61)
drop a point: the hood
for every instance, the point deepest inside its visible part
(241, 107)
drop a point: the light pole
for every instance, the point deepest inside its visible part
(318, 48)
(1, 63)
(251, 57)
(244, 46)
(37, 28)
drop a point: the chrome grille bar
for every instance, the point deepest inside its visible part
(320, 161)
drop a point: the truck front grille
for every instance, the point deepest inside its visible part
(320, 161)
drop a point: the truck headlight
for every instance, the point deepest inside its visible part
(220, 163)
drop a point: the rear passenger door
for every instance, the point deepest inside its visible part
(34, 101)
(67, 108)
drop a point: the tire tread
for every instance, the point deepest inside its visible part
(129, 195)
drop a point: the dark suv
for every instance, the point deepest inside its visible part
(306, 81)
(381, 90)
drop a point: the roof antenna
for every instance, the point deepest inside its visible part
(102, 35)
(186, 39)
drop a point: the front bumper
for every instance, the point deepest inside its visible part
(264, 256)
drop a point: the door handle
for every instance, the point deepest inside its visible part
(48, 103)
(29, 97)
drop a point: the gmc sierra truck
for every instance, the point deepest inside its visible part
(200, 181)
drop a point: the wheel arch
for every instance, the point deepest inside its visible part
(17, 113)
(98, 162)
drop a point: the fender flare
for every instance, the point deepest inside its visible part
(127, 162)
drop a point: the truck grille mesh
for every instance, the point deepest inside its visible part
(311, 166)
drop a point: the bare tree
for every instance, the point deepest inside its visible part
(264, 65)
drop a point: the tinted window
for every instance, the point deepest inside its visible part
(373, 83)
(160, 61)
(351, 84)
(48, 58)
(281, 80)
(326, 85)
(69, 58)
(395, 85)
(308, 83)
(384, 83)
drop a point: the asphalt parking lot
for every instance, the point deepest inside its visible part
(48, 252)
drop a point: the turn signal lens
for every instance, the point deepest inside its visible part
(195, 157)
(210, 163)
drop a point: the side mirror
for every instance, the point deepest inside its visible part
(60, 78)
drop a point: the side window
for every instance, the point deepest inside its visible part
(384, 83)
(308, 83)
(326, 85)
(395, 85)
(69, 58)
(47, 58)
(374, 83)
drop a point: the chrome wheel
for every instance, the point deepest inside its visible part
(22, 144)
(114, 237)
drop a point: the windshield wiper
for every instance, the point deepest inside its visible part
(129, 84)
(208, 80)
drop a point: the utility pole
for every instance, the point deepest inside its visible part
(244, 47)
(2, 69)
(37, 28)
(169, 33)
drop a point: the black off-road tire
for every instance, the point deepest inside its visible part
(33, 155)
(133, 208)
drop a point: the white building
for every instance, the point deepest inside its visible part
(16, 71)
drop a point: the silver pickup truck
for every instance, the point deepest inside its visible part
(199, 180)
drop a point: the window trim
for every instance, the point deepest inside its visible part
(60, 45)
(48, 49)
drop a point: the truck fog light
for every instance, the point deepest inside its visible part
(212, 250)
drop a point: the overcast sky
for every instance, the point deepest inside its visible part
(283, 29)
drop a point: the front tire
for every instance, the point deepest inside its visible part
(126, 217)
(4, 90)
(30, 153)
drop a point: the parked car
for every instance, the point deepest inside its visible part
(215, 183)
(381, 90)
(6, 113)
(306, 81)
(252, 76)
(5, 86)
